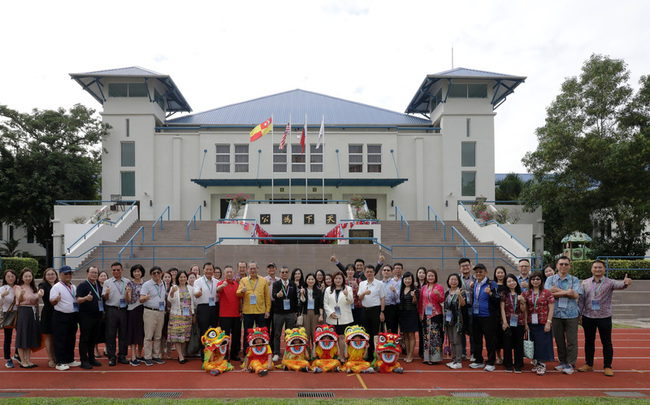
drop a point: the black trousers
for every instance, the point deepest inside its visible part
(604, 327)
(7, 346)
(391, 314)
(116, 329)
(249, 320)
(64, 336)
(514, 342)
(90, 334)
(232, 326)
(485, 326)
(207, 317)
(372, 324)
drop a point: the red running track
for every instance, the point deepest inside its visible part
(631, 360)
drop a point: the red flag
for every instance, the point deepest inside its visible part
(261, 130)
(287, 131)
(303, 137)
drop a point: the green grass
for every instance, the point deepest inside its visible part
(438, 400)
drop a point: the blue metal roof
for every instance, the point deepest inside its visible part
(356, 182)
(297, 103)
(504, 85)
(93, 84)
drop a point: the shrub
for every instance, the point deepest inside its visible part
(582, 269)
(19, 263)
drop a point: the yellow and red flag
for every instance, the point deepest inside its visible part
(261, 130)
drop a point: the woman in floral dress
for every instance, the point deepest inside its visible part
(181, 316)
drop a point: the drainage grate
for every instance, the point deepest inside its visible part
(624, 394)
(470, 394)
(315, 395)
(11, 394)
(162, 395)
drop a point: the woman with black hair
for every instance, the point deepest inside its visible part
(8, 306)
(28, 328)
(320, 279)
(500, 278)
(513, 317)
(312, 310)
(409, 296)
(135, 313)
(455, 300)
(540, 304)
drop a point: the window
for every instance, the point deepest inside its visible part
(355, 158)
(241, 158)
(468, 90)
(223, 158)
(137, 90)
(458, 91)
(128, 128)
(298, 159)
(468, 127)
(128, 154)
(158, 98)
(118, 90)
(468, 154)
(315, 159)
(128, 184)
(374, 158)
(279, 159)
(468, 184)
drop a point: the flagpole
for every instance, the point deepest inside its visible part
(305, 155)
(289, 165)
(272, 174)
(322, 145)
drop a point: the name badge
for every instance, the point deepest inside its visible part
(211, 301)
(337, 309)
(513, 320)
(75, 306)
(428, 311)
(252, 300)
(101, 305)
(534, 319)
(161, 306)
(286, 304)
(448, 317)
(352, 305)
(563, 302)
(122, 303)
(310, 304)
(186, 311)
(476, 309)
(595, 305)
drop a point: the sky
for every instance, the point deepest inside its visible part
(373, 52)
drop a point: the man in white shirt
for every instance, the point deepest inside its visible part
(117, 294)
(64, 320)
(372, 294)
(270, 279)
(153, 296)
(207, 300)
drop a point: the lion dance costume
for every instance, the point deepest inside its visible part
(325, 340)
(356, 339)
(388, 351)
(296, 352)
(257, 356)
(216, 344)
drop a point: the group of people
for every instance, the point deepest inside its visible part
(154, 317)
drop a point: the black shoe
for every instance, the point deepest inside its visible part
(262, 373)
(158, 360)
(111, 363)
(182, 361)
(95, 363)
(123, 361)
(86, 366)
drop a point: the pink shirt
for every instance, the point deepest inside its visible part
(428, 296)
(29, 298)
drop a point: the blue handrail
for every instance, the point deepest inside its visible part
(436, 219)
(494, 222)
(101, 221)
(193, 219)
(606, 259)
(401, 222)
(465, 242)
(299, 201)
(130, 242)
(160, 219)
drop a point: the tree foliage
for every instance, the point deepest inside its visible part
(45, 156)
(591, 165)
(510, 187)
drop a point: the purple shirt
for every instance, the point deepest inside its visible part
(601, 292)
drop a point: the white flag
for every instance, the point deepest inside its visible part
(321, 133)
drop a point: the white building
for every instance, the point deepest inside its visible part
(391, 159)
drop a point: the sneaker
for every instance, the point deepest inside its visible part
(111, 363)
(9, 364)
(517, 371)
(608, 372)
(450, 364)
(541, 369)
(262, 373)
(74, 364)
(158, 360)
(123, 361)
(533, 362)
(560, 367)
(95, 363)
(499, 361)
(585, 367)
(535, 368)
(464, 357)
(456, 366)
(472, 359)
(134, 363)
(568, 369)
(148, 362)
(476, 365)
(489, 368)
(276, 358)
(62, 367)
(508, 370)
(17, 357)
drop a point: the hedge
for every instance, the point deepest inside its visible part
(19, 263)
(582, 269)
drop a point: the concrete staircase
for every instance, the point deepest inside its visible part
(632, 303)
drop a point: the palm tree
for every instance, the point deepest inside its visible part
(10, 248)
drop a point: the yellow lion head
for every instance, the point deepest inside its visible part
(356, 337)
(216, 339)
(296, 340)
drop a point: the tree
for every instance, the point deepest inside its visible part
(591, 164)
(10, 248)
(510, 187)
(46, 156)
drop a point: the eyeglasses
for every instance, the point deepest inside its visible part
(563, 264)
(156, 272)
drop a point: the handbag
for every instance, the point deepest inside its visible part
(529, 347)
(300, 321)
(9, 318)
(194, 345)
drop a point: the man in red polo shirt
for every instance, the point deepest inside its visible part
(229, 310)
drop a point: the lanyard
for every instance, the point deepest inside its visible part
(536, 298)
(72, 293)
(205, 280)
(429, 293)
(159, 288)
(251, 284)
(593, 284)
(284, 290)
(512, 301)
(118, 288)
(451, 297)
(557, 278)
(93, 287)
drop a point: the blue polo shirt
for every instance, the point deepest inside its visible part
(565, 308)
